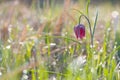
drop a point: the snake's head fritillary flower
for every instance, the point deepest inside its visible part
(79, 31)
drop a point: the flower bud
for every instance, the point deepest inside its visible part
(79, 31)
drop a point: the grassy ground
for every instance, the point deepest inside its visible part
(41, 45)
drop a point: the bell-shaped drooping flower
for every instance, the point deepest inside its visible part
(79, 31)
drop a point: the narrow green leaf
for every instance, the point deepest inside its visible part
(95, 25)
(87, 7)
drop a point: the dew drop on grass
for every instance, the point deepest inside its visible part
(25, 77)
(103, 65)
(115, 47)
(109, 29)
(97, 42)
(54, 63)
(53, 78)
(101, 50)
(92, 46)
(0, 73)
(81, 69)
(10, 41)
(8, 47)
(94, 52)
(24, 71)
(69, 47)
(113, 57)
(66, 49)
(10, 29)
(53, 44)
(92, 69)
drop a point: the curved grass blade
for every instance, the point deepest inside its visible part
(78, 11)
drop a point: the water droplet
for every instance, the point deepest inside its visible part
(92, 69)
(8, 47)
(25, 77)
(101, 50)
(0, 73)
(109, 29)
(24, 71)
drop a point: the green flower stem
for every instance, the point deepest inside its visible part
(89, 27)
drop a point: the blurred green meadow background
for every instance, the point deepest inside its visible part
(37, 40)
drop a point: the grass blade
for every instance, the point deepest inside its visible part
(87, 7)
(95, 25)
(78, 11)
